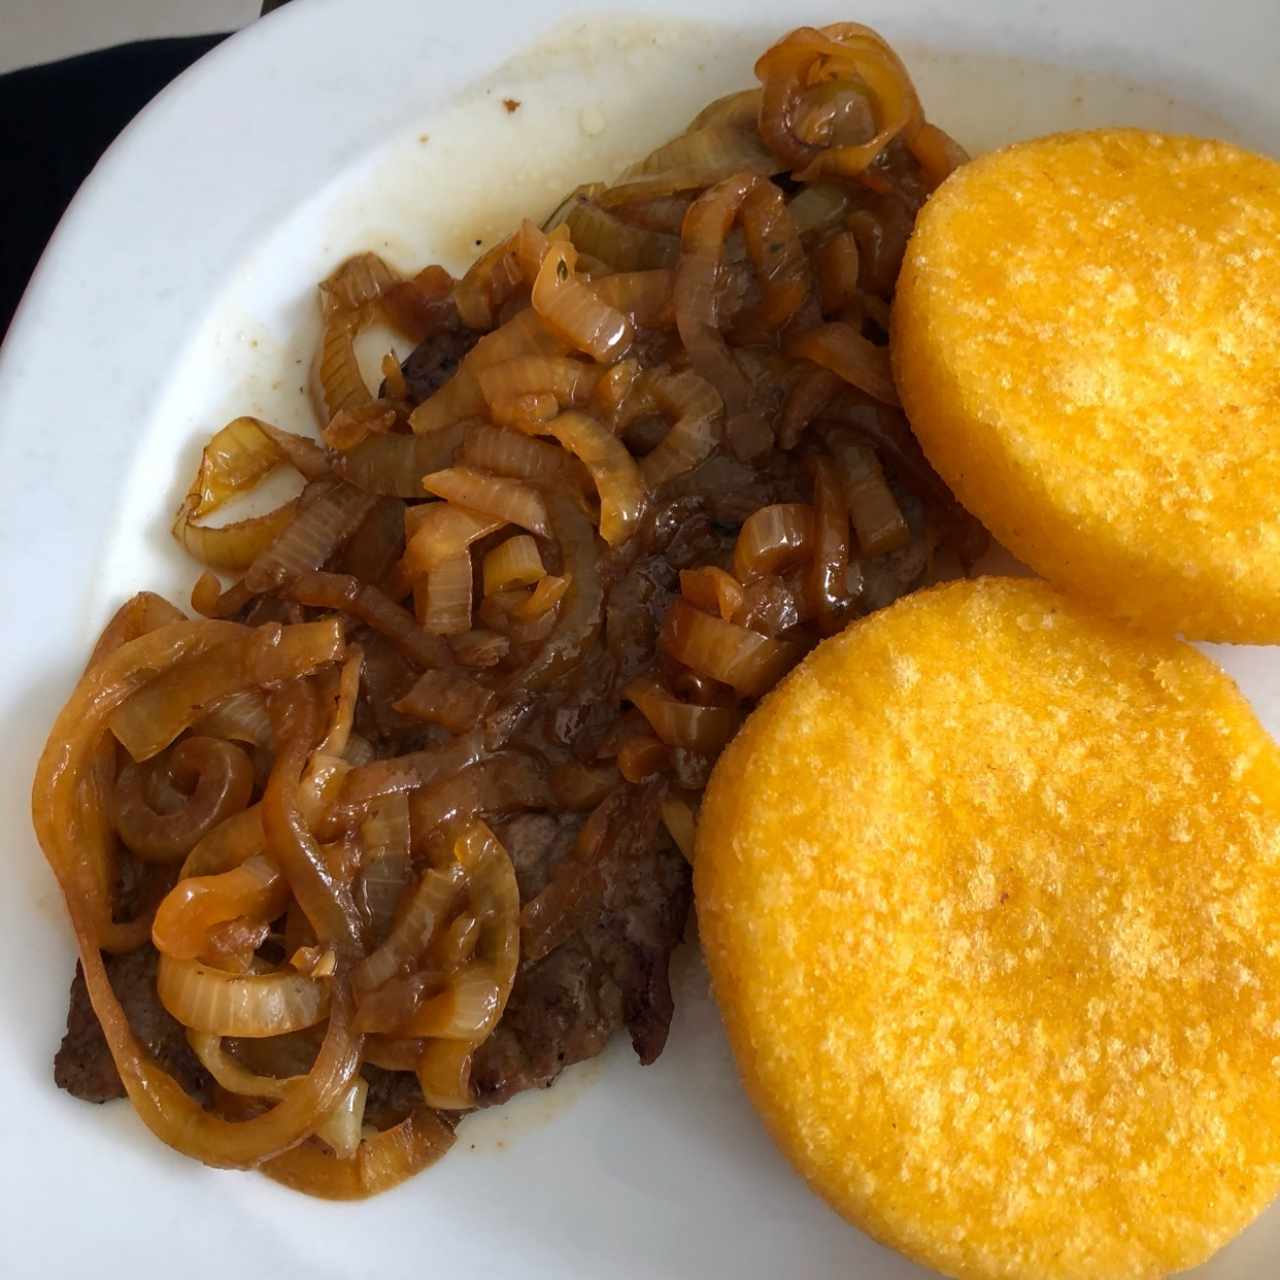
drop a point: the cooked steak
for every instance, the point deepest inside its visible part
(83, 1064)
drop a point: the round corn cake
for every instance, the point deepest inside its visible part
(1086, 339)
(989, 889)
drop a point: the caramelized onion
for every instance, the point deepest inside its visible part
(322, 526)
(233, 462)
(876, 516)
(408, 772)
(397, 385)
(479, 648)
(773, 243)
(544, 597)
(569, 381)
(349, 427)
(348, 302)
(325, 897)
(837, 263)
(697, 316)
(446, 698)
(650, 188)
(508, 453)
(172, 702)
(489, 282)
(343, 693)
(466, 1009)
(309, 459)
(377, 546)
(385, 830)
(881, 233)
(218, 779)
(724, 651)
(388, 1008)
(513, 563)
(828, 572)
(712, 589)
(740, 109)
(421, 306)
(457, 944)
(847, 53)
(196, 905)
(449, 586)
(374, 609)
(698, 412)
(613, 388)
(938, 154)
(476, 996)
(433, 897)
(647, 298)
(702, 305)
(249, 1005)
(61, 823)
(142, 613)
(242, 717)
(574, 311)
(579, 787)
(677, 817)
(582, 609)
(704, 729)
(810, 394)
(341, 1128)
(227, 845)
(444, 532)
(444, 1074)
(772, 539)
(231, 1074)
(819, 208)
(617, 477)
(337, 383)
(395, 464)
(842, 349)
(460, 397)
(386, 870)
(381, 1162)
(623, 246)
(716, 150)
(501, 497)
(506, 782)
(355, 282)
(380, 888)
(234, 547)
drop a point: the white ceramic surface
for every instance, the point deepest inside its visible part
(178, 290)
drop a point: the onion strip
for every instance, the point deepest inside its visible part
(617, 477)
(220, 780)
(751, 663)
(773, 539)
(501, 497)
(845, 352)
(573, 311)
(381, 1162)
(61, 819)
(513, 563)
(250, 1005)
(172, 702)
(682, 724)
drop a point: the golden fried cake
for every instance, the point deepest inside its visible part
(989, 889)
(1086, 338)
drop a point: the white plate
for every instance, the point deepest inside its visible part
(177, 290)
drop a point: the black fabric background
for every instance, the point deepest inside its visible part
(55, 121)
